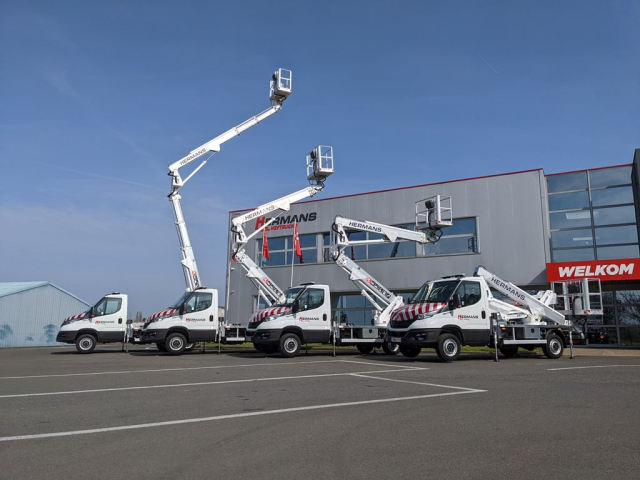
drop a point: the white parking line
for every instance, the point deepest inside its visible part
(221, 382)
(592, 366)
(169, 369)
(237, 415)
(417, 383)
(378, 364)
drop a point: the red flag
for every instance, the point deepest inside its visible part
(265, 245)
(296, 242)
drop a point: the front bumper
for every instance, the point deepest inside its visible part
(265, 337)
(154, 336)
(68, 336)
(419, 337)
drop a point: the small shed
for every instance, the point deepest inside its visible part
(31, 313)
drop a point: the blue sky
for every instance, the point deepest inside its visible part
(98, 98)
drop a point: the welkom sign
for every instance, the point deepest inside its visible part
(605, 270)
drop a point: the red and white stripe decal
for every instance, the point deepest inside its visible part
(260, 315)
(407, 312)
(163, 313)
(75, 317)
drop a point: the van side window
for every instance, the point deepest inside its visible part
(312, 298)
(107, 306)
(198, 302)
(470, 293)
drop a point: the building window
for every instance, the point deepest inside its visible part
(281, 251)
(459, 238)
(592, 215)
(620, 324)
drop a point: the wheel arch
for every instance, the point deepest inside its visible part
(454, 330)
(87, 331)
(296, 330)
(181, 330)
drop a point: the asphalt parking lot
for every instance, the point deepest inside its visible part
(246, 415)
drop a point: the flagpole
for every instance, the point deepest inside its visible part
(293, 251)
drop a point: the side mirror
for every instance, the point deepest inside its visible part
(455, 301)
(181, 310)
(92, 312)
(295, 307)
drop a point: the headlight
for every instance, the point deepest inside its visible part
(272, 317)
(424, 316)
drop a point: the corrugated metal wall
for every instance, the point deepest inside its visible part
(33, 317)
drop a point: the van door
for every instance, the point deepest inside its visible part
(109, 319)
(313, 315)
(473, 315)
(200, 315)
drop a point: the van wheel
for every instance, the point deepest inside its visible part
(86, 343)
(364, 349)
(189, 346)
(175, 343)
(289, 345)
(257, 347)
(390, 348)
(448, 348)
(554, 347)
(509, 350)
(161, 347)
(410, 352)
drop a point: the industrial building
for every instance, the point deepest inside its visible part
(31, 313)
(527, 227)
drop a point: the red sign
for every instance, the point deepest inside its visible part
(605, 270)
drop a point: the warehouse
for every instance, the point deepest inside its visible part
(527, 227)
(31, 313)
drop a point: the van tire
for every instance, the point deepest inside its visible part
(161, 347)
(289, 345)
(410, 352)
(189, 347)
(175, 343)
(448, 348)
(554, 347)
(390, 348)
(86, 343)
(365, 349)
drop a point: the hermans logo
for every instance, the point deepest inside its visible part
(308, 319)
(192, 156)
(285, 222)
(104, 322)
(504, 286)
(193, 320)
(378, 287)
(467, 317)
(364, 226)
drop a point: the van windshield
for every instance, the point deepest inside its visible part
(289, 297)
(183, 298)
(435, 292)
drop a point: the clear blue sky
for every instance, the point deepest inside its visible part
(99, 97)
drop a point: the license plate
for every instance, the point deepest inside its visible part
(247, 338)
(395, 339)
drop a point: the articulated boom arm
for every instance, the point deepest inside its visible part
(267, 288)
(539, 307)
(283, 204)
(370, 288)
(317, 173)
(280, 90)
